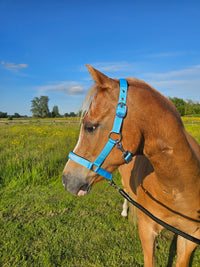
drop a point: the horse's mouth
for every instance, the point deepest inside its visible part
(84, 190)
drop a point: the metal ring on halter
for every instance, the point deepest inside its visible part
(117, 141)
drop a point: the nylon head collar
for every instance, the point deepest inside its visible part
(120, 114)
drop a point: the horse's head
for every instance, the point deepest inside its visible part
(95, 129)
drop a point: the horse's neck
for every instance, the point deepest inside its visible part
(157, 129)
(174, 160)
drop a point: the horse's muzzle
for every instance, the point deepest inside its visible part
(75, 186)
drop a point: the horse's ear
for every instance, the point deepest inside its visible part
(101, 79)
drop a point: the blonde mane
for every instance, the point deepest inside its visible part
(88, 99)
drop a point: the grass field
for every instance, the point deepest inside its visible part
(43, 225)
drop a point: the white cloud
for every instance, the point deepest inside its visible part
(76, 90)
(67, 87)
(189, 85)
(165, 54)
(186, 89)
(189, 72)
(112, 66)
(12, 66)
(184, 83)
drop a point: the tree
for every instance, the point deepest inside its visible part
(188, 107)
(179, 103)
(71, 114)
(39, 107)
(66, 115)
(192, 107)
(16, 115)
(3, 114)
(55, 112)
(80, 113)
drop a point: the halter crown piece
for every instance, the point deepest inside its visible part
(120, 114)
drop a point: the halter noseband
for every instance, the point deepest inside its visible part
(120, 114)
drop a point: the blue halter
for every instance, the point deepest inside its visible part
(120, 114)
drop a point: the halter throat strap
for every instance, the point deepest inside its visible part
(120, 114)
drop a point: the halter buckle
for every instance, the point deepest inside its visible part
(121, 110)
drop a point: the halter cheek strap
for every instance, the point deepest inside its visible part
(120, 114)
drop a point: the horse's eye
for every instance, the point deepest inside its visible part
(90, 128)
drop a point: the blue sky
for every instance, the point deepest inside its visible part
(44, 46)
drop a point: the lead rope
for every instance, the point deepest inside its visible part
(164, 224)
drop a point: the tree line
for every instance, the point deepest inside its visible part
(40, 109)
(186, 108)
(16, 115)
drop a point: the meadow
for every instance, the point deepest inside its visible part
(43, 225)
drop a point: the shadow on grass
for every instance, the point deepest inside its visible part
(173, 251)
(191, 258)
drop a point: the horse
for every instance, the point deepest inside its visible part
(164, 176)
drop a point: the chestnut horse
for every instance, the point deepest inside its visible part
(164, 176)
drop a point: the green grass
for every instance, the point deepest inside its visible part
(43, 225)
(34, 153)
(47, 226)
